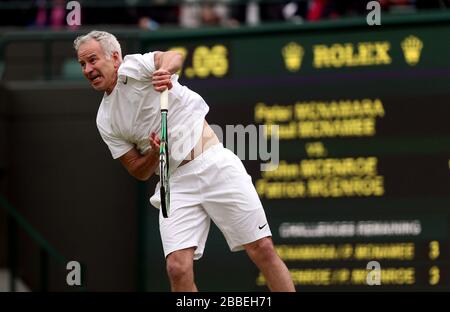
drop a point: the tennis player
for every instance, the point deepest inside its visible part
(207, 181)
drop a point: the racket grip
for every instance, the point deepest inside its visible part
(165, 100)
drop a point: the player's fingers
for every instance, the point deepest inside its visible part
(161, 72)
(154, 137)
(160, 77)
(154, 144)
(157, 78)
(161, 88)
(162, 81)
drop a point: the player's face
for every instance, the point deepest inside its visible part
(97, 68)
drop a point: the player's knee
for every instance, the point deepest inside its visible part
(262, 248)
(178, 267)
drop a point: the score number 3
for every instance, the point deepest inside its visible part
(434, 272)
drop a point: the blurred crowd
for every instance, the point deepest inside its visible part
(151, 14)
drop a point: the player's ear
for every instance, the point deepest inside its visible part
(116, 59)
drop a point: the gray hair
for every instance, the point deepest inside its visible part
(107, 41)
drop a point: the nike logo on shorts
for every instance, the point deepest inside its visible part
(261, 227)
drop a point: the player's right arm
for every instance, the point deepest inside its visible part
(166, 64)
(142, 167)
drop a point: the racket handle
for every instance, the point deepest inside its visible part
(165, 100)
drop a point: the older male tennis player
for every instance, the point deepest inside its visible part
(207, 180)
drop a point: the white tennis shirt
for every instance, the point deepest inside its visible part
(131, 112)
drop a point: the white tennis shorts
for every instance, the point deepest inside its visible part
(216, 186)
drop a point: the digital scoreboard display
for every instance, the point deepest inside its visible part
(358, 197)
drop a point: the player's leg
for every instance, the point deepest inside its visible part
(264, 255)
(184, 233)
(180, 268)
(233, 204)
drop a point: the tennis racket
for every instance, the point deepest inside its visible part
(164, 156)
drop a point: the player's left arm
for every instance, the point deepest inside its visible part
(166, 64)
(142, 167)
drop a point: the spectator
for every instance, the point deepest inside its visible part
(57, 14)
(320, 9)
(194, 14)
(147, 23)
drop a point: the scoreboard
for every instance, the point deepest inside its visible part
(356, 121)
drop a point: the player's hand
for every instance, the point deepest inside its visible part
(154, 143)
(161, 80)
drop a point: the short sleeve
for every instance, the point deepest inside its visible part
(117, 146)
(138, 66)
